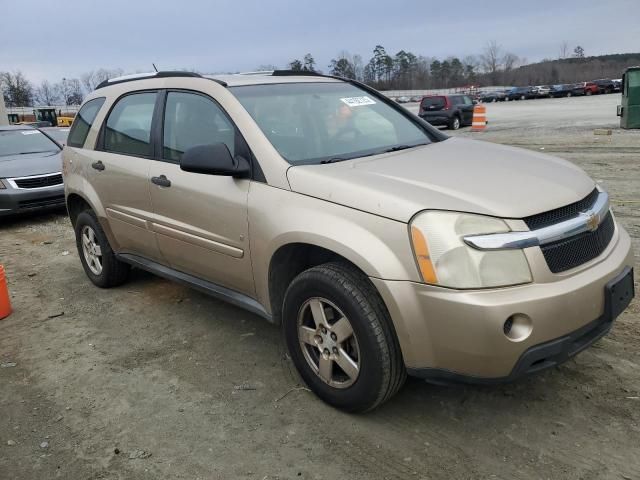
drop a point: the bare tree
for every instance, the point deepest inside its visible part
(490, 60)
(70, 91)
(17, 90)
(578, 52)
(46, 94)
(90, 80)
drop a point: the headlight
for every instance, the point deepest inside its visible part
(444, 259)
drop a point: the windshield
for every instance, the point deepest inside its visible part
(325, 122)
(16, 142)
(58, 134)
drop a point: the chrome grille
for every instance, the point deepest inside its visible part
(37, 181)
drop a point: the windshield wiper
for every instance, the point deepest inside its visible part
(334, 160)
(397, 148)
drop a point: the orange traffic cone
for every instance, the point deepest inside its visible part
(479, 122)
(5, 303)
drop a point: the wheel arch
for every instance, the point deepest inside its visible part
(291, 259)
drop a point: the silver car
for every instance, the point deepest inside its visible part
(30, 171)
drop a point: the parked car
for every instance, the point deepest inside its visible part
(566, 90)
(403, 99)
(415, 99)
(454, 111)
(542, 91)
(521, 93)
(378, 244)
(59, 134)
(493, 96)
(617, 84)
(605, 85)
(590, 88)
(30, 177)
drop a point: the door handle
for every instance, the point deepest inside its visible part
(161, 181)
(98, 165)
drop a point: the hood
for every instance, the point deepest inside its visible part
(456, 174)
(30, 164)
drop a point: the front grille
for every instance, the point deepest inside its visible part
(42, 202)
(572, 252)
(39, 181)
(561, 214)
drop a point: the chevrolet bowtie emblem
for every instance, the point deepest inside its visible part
(593, 221)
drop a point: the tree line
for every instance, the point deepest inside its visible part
(403, 70)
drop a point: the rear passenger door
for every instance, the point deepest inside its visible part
(200, 219)
(119, 172)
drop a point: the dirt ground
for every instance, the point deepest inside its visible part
(154, 381)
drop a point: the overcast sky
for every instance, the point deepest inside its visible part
(55, 38)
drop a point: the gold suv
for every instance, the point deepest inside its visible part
(378, 244)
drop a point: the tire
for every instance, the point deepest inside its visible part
(101, 265)
(321, 298)
(522, 97)
(569, 94)
(454, 123)
(588, 93)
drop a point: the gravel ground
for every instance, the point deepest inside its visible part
(153, 380)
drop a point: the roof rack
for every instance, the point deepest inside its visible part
(296, 73)
(164, 74)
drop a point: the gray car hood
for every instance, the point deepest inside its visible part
(456, 174)
(30, 164)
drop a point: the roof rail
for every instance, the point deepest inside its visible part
(295, 73)
(140, 76)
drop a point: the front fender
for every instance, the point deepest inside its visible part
(380, 247)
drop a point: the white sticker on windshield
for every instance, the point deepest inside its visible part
(29, 132)
(357, 101)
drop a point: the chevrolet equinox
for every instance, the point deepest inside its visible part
(381, 246)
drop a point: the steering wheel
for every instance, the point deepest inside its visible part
(339, 136)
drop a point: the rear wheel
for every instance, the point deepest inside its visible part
(454, 123)
(569, 94)
(98, 259)
(588, 92)
(340, 338)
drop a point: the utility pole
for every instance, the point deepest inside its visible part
(4, 119)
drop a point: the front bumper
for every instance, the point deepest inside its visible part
(448, 334)
(18, 200)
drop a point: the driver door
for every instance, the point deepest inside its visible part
(200, 219)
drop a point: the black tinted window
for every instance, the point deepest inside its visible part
(191, 120)
(83, 121)
(128, 128)
(433, 103)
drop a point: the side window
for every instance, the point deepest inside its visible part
(128, 128)
(467, 100)
(191, 119)
(83, 121)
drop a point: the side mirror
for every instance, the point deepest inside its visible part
(214, 159)
(475, 102)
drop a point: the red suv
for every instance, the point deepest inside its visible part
(590, 88)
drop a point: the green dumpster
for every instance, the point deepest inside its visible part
(629, 111)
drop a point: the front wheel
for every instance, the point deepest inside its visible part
(454, 123)
(340, 338)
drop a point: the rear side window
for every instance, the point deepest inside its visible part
(83, 121)
(128, 128)
(433, 103)
(191, 119)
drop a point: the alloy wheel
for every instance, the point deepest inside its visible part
(328, 342)
(91, 250)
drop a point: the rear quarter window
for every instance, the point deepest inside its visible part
(83, 121)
